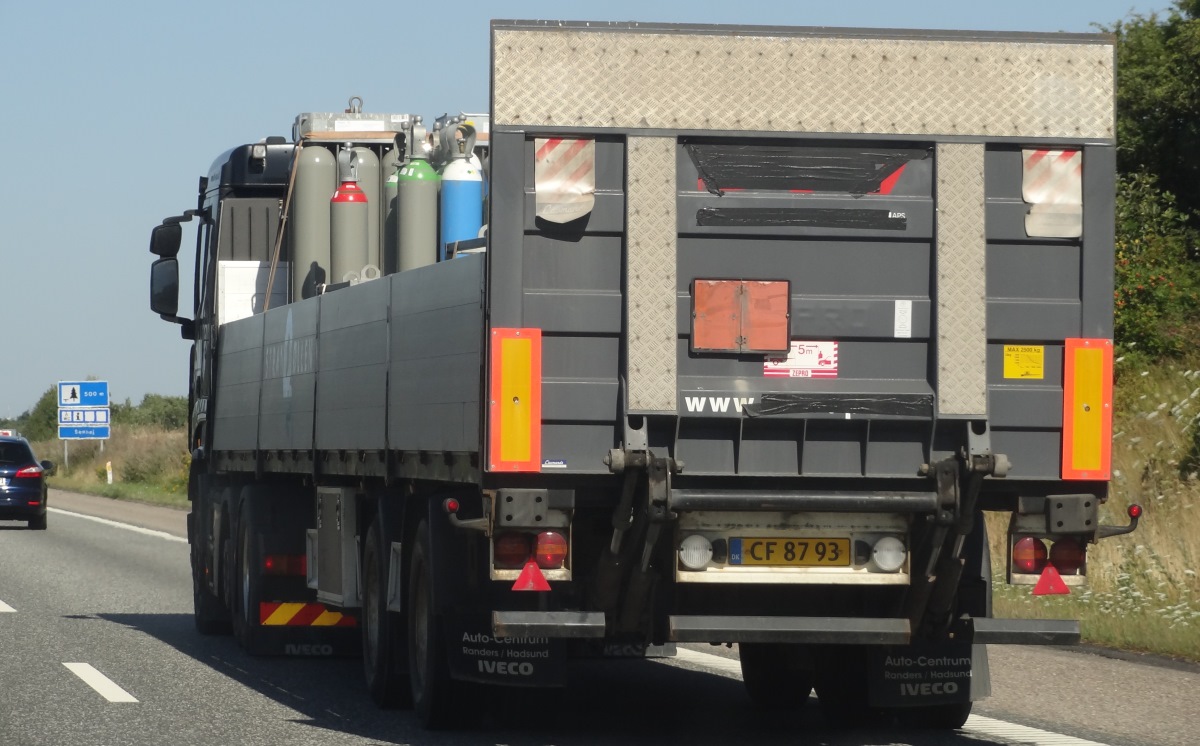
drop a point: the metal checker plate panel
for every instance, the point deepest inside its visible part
(783, 83)
(961, 280)
(650, 274)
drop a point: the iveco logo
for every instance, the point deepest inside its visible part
(912, 690)
(523, 668)
(313, 650)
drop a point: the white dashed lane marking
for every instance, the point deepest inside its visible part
(101, 683)
(5, 608)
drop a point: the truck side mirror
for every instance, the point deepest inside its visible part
(165, 239)
(164, 285)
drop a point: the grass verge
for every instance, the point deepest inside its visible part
(149, 465)
(1143, 593)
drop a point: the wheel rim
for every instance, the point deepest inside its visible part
(420, 631)
(246, 578)
(371, 603)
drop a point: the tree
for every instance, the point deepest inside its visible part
(1157, 287)
(41, 422)
(1158, 99)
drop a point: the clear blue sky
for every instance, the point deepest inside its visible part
(112, 110)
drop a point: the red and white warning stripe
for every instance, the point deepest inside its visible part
(564, 177)
(1052, 177)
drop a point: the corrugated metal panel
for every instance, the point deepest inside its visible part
(961, 280)
(650, 274)
(757, 81)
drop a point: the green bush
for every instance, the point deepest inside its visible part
(1157, 288)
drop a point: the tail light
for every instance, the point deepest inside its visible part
(511, 550)
(285, 564)
(551, 550)
(29, 472)
(1067, 555)
(1029, 555)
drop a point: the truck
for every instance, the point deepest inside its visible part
(739, 334)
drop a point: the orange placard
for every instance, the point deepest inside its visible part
(1087, 409)
(741, 316)
(515, 400)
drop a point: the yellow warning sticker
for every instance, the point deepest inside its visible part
(1024, 361)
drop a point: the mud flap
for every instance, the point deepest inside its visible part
(476, 655)
(924, 674)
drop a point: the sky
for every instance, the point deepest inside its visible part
(111, 111)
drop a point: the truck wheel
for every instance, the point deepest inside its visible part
(209, 613)
(429, 671)
(842, 692)
(773, 677)
(384, 643)
(247, 582)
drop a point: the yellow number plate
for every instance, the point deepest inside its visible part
(790, 552)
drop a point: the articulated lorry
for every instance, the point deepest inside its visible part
(699, 335)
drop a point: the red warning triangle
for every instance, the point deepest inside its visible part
(1050, 584)
(532, 579)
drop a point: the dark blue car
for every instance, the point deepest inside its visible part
(22, 482)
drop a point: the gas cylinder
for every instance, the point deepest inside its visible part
(416, 211)
(316, 178)
(348, 230)
(389, 237)
(462, 190)
(367, 171)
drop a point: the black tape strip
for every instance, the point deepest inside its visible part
(802, 217)
(769, 167)
(899, 405)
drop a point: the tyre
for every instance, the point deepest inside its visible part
(247, 583)
(935, 717)
(38, 523)
(842, 690)
(384, 638)
(208, 612)
(774, 676)
(429, 672)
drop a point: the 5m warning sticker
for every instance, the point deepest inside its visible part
(804, 360)
(1024, 361)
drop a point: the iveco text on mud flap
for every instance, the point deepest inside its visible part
(476, 654)
(951, 672)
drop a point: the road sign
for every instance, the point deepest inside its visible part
(83, 393)
(80, 432)
(83, 416)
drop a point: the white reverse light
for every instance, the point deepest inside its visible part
(695, 552)
(888, 554)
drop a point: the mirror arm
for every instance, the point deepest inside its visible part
(187, 327)
(186, 217)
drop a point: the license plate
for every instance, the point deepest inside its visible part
(790, 552)
(3, 481)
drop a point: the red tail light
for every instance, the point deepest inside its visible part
(1029, 555)
(1067, 555)
(285, 564)
(551, 550)
(29, 472)
(511, 550)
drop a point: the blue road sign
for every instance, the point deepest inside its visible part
(83, 393)
(80, 432)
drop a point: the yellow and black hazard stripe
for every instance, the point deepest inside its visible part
(274, 614)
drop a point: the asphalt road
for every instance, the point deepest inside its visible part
(97, 647)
